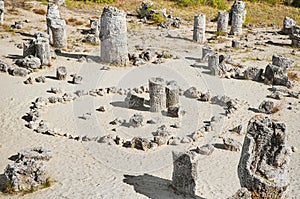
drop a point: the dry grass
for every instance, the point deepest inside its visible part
(292, 75)
(39, 11)
(74, 22)
(13, 11)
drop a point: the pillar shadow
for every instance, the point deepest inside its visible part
(177, 37)
(123, 104)
(10, 56)
(278, 44)
(154, 187)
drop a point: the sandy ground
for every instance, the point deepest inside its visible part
(93, 170)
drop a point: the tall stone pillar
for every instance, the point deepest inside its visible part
(113, 36)
(213, 63)
(222, 25)
(52, 12)
(172, 94)
(1, 12)
(199, 28)
(185, 173)
(42, 50)
(238, 15)
(59, 34)
(263, 166)
(157, 94)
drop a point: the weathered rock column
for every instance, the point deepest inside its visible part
(42, 50)
(157, 94)
(52, 12)
(222, 25)
(288, 23)
(113, 36)
(199, 28)
(295, 36)
(238, 15)
(185, 174)
(28, 47)
(206, 50)
(263, 165)
(59, 35)
(213, 62)
(172, 94)
(1, 12)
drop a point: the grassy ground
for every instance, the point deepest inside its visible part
(256, 12)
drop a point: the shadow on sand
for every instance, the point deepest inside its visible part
(154, 187)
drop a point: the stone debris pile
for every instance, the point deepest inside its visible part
(29, 169)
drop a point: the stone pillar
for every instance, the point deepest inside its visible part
(172, 94)
(94, 24)
(28, 47)
(295, 36)
(1, 12)
(213, 62)
(222, 25)
(58, 30)
(263, 166)
(61, 73)
(288, 23)
(238, 15)
(283, 62)
(113, 36)
(206, 50)
(42, 50)
(52, 12)
(199, 28)
(185, 173)
(157, 94)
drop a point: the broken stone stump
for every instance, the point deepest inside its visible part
(213, 62)
(42, 50)
(157, 94)
(76, 79)
(172, 94)
(263, 166)
(52, 13)
(206, 50)
(236, 44)
(173, 111)
(136, 120)
(94, 24)
(58, 31)
(2, 9)
(199, 28)
(267, 107)
(283, 62)
(238, 15)
(185, 173)
(295, 36)
(61, 73)
(222, 25)
(140, 143)
(288, 23)
(206, 149)
(113, 36)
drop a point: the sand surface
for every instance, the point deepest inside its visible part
(93, 170)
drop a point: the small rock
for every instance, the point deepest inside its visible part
(206, 149)
(136, 120)
(40, 79)
(266, 107)
(76, 79)
(101, 109)
(28, 81)
(231, 144)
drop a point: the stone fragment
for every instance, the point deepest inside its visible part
(186, 139)
(172, 94)
(154, 120)
(157, 94)
(55, 90)
(28, 47)
(18, 25)
(206, 149)
(29, 62)
(28, 81)
(199, 28)
(140, 143)
(134, 101)
(101, 109)
(238, 16)
(276, 95)
(288, 23)
(61, 73)
(117, 121)
(40, 79)
(18, 71)
(222, 25)
(267, 107)
(206, 50)
(205, 97)
(174, 111)
(107, 139)
(293, 94)
(113, 36)
(136, 120)
(94, 25)
(185, 173)
(174, 141)
(192, 92)
(231, 144)
(197, 135)
(162, 131)
(236, 44)
(253, 73)
(283, 62)
(237, 129)
(263, 166)
(160, 140)
(3, 67)
(52, 99)
(76, 79)
(35, 153)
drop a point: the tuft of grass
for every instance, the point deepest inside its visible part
(39, 11)
(74, 22)
(47, 183)
(9, 189)
(293, 76)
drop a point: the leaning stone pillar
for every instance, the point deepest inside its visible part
(58, 30)
(222, 25)
(238, 14)
(172, 94)
(263, 166)
(206, 50)
(185, 173)
(113, 36)
(1, 12)
(52, 12)
(213, 62)
(157, 94)
(199, 28)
